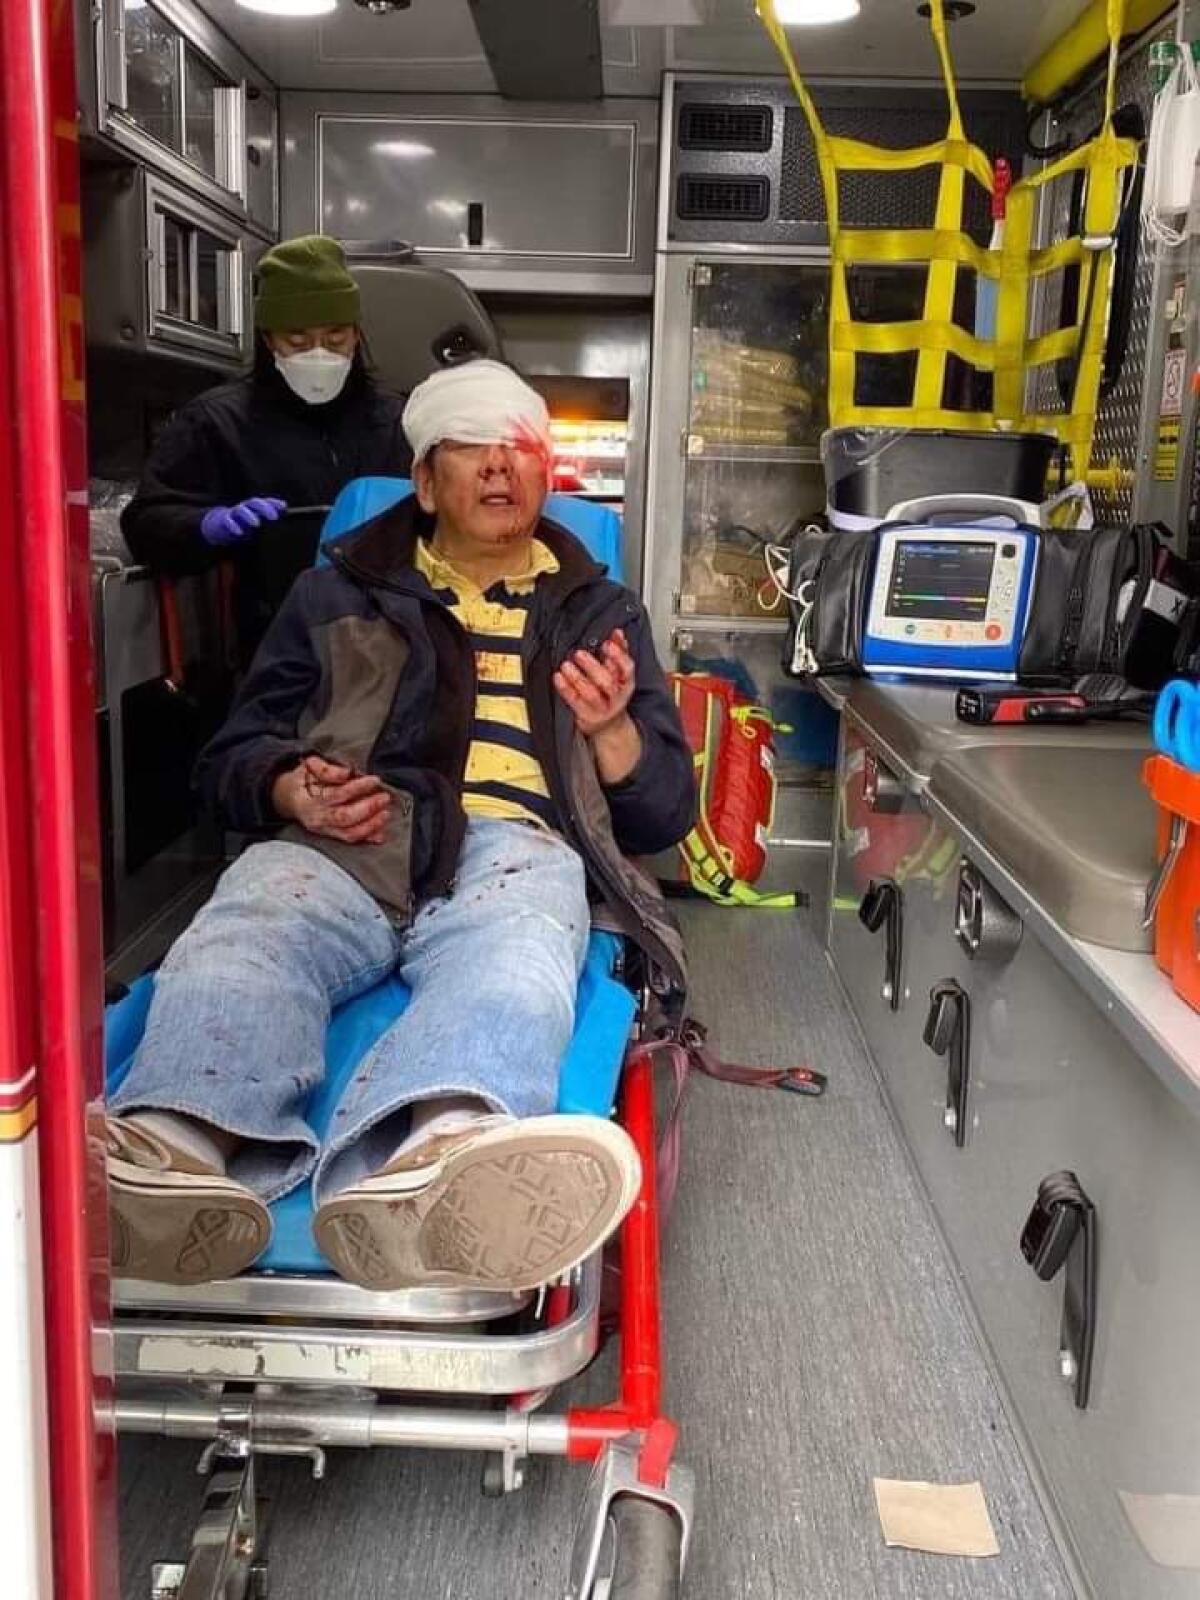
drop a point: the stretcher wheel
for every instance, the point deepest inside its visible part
(646, 1551)
(500, 1477)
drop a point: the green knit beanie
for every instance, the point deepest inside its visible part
(303, 283)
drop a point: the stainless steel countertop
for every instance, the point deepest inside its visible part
(1127, 986)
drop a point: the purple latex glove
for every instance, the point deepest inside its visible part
(229, 524)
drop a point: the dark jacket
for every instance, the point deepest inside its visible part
(366, 665)
(255, 437)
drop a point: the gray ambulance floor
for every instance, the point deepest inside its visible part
(816, 1338)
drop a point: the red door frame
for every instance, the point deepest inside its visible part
(49, 772)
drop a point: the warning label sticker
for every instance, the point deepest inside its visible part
(1174, 375)
(1166, 450)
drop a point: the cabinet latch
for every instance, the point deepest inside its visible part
(1061, 1230)
(882, 907)
(948, 1033)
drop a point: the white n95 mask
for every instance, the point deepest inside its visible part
(317, 376)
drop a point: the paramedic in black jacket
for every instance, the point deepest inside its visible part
(453, 741)
(307, 419)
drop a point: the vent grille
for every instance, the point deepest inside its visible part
(881, 199)
(718, 127)
(716, 199)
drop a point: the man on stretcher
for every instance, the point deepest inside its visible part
(451, 742)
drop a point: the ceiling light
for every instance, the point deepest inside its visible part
(290, 8)
(403, 149)
(812, 13)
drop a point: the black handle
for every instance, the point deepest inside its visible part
(882, 906)
(1061, 1230)
(456, 344)
(948, 1033)
(475, 223)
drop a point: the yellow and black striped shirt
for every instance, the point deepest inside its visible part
(503, 778)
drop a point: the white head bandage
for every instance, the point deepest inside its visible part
(480, 402)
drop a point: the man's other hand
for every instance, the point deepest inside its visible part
(598, 689)
(329, 799)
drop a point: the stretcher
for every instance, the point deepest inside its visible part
(289, 1359)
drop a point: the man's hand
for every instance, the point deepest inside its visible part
(598, 692)
(334, 801)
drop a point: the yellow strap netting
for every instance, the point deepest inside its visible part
(946, 248)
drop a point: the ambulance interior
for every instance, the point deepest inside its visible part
(888, 1283)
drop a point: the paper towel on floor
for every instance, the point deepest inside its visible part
(947, 1519)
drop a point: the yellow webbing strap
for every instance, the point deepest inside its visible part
(708, 875)
(946, 247)
(942, 275)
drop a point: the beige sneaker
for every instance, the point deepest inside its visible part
(499, 1204)
(172, 1218)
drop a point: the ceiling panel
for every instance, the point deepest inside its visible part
(888, 39)
(433, 47)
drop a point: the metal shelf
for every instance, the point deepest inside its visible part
(689, 622)
(804, 455)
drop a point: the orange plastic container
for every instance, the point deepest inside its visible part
(1176, 792)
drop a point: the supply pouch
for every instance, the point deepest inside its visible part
(829, 582)
(1112, 600)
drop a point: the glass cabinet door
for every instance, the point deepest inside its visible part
(152, 74)
(755, 416)
(203, 89)
(197, 274)
(169, 90)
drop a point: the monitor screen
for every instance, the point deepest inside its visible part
(941, 580)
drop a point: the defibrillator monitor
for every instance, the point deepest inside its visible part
(949, 602)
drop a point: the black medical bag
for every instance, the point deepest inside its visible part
(1111, 599)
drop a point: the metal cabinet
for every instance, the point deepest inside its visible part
(1057, 1088)
(740, 370)
(1051, 1085)
(737, 413)
(168, 88)
(170, 273)
(737, 410)
(886, 843)
(451, 175)
(449, 187)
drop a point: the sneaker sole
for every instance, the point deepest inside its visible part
(197, 1234)
(513, 1212)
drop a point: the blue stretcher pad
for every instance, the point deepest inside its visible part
(604, 1013)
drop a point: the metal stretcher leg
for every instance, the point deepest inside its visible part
(222, 1564)
(635, 1523)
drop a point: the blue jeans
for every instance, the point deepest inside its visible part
(236, 1030)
